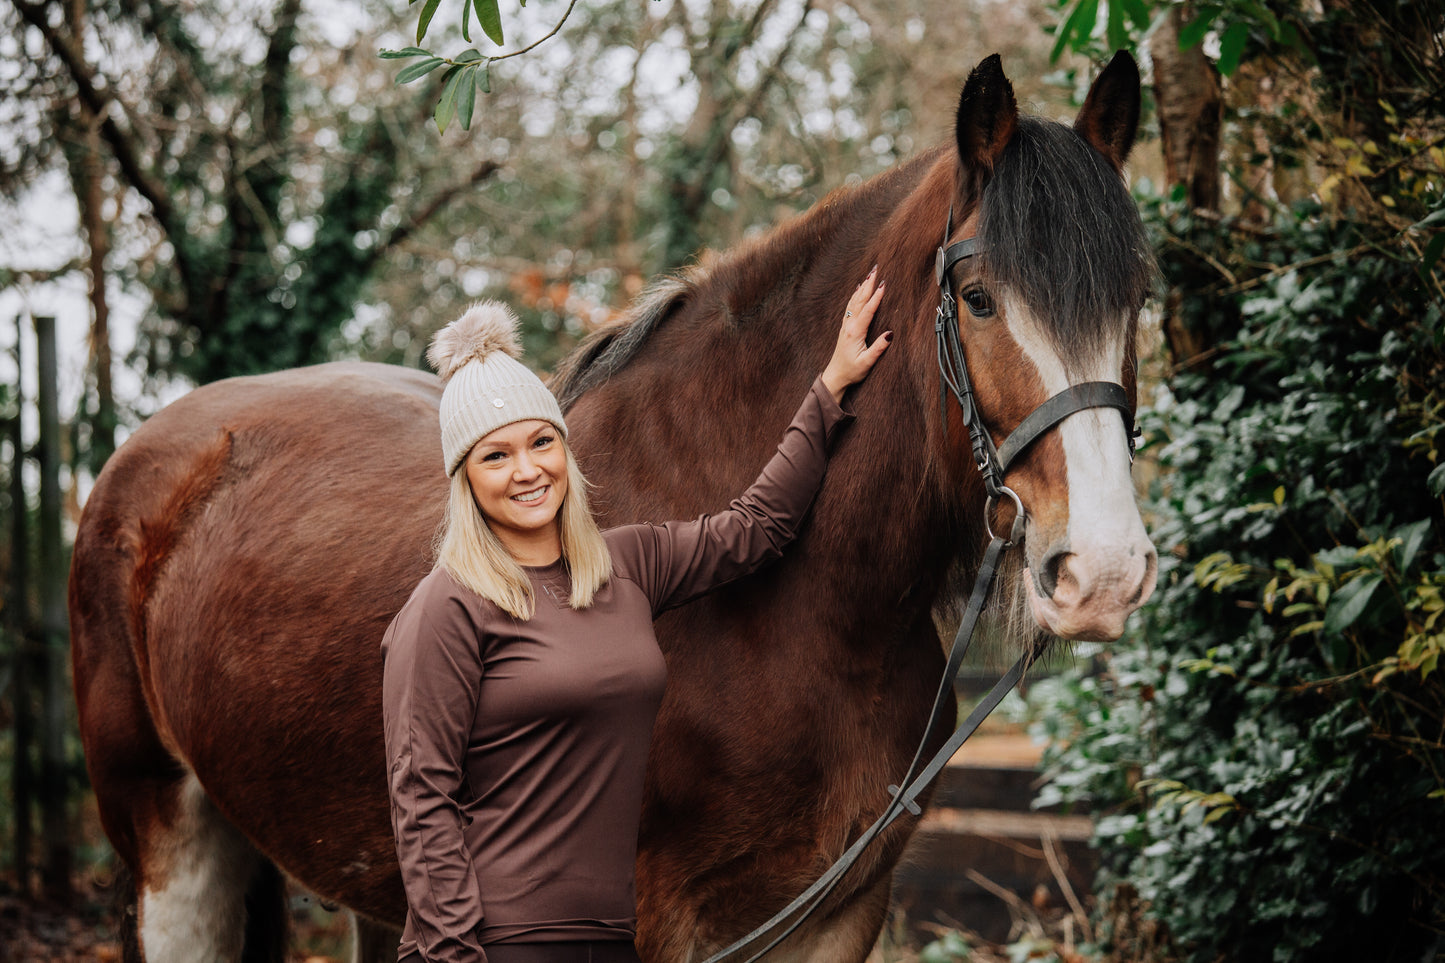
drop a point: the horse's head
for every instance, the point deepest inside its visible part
(1050, 300)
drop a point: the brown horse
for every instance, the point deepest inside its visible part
(241, 555)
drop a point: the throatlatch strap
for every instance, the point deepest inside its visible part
(1090, 394)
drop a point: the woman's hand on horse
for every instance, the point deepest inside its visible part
(853, 356)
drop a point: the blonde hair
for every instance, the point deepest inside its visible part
(471, 552)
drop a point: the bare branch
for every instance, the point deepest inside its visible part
(444, 197)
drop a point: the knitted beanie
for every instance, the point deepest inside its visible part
(486, 387)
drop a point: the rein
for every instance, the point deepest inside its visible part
(992, 463)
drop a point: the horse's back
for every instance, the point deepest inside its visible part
(235, 568)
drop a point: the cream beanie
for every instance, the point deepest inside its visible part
(486, 386)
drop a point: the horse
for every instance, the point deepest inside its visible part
(241, 555)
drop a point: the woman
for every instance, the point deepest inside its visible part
(522, 677)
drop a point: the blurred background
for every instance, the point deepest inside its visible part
(201, 189)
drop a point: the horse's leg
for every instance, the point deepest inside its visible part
(196, 889)
(204, 892)
(845, 937)
(372, 942)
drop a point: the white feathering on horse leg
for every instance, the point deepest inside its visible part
(193, 907)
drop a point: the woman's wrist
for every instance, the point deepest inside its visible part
(835, 383)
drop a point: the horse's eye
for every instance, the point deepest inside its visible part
(980, 305)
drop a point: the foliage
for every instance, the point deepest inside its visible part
(1269, 741)
(469, 71)
(1098, 27)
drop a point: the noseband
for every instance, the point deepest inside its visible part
(993, 462)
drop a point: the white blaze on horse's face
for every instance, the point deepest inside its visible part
(1086, 580)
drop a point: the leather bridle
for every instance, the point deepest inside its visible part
(993, 463)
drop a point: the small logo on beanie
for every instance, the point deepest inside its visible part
(498, 403)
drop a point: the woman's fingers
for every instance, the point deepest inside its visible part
(853, 357)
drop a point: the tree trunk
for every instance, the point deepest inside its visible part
(1186, 88)
(87, 174)
(1191, 116)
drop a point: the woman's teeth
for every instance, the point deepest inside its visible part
(530, 496)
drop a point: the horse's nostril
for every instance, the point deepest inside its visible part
(1049, 571)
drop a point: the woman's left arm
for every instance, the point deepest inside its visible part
(679, 561)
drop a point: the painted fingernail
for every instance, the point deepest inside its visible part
(874, 271)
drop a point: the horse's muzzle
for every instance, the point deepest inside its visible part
(1088, 596)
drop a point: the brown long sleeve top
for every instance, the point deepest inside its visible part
(516, 749)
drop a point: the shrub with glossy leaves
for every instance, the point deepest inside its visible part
(1268, 741)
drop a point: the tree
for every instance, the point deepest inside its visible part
(261, 235)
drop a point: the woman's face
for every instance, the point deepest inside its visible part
(518, 476)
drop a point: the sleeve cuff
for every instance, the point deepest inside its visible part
(834, 414)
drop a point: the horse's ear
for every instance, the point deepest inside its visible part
(1110, 116)
(988, 115)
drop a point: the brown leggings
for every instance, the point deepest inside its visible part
(589, 951)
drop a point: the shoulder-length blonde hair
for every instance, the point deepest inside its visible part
(469, 549)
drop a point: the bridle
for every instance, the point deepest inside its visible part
(993, 462)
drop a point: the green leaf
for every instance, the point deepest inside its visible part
(428, 10)
(1137, 11)
(1080, 23)
(1411, 538)
(467, 20)
(484, 77)
(1350, 602)
(1231, 48)
(1430, 220)
(1194, 31)
(447, 107)
(490, 19)
(467, 97)
(403, 53)
(419, 69)
(1114, 31)
(1263, 16)
(1436, 481)
(467, 56)
(1433, 250)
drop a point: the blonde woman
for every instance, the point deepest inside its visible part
(522, 677)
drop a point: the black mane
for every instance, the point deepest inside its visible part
(1057, 226)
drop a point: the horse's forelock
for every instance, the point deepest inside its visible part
(1057, 227)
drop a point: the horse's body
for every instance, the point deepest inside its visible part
(242, 554)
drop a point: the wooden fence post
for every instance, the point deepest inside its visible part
(54, 695)
(19, 627)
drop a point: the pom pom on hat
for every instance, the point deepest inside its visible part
(486, 386)
(486, 328)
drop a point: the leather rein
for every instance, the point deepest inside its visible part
(993, 462)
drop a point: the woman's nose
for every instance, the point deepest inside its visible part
(524, 467)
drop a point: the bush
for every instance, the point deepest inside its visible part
(1268, 739)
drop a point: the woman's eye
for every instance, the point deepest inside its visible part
(980, 305)
(543, 441)
(493, 456)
